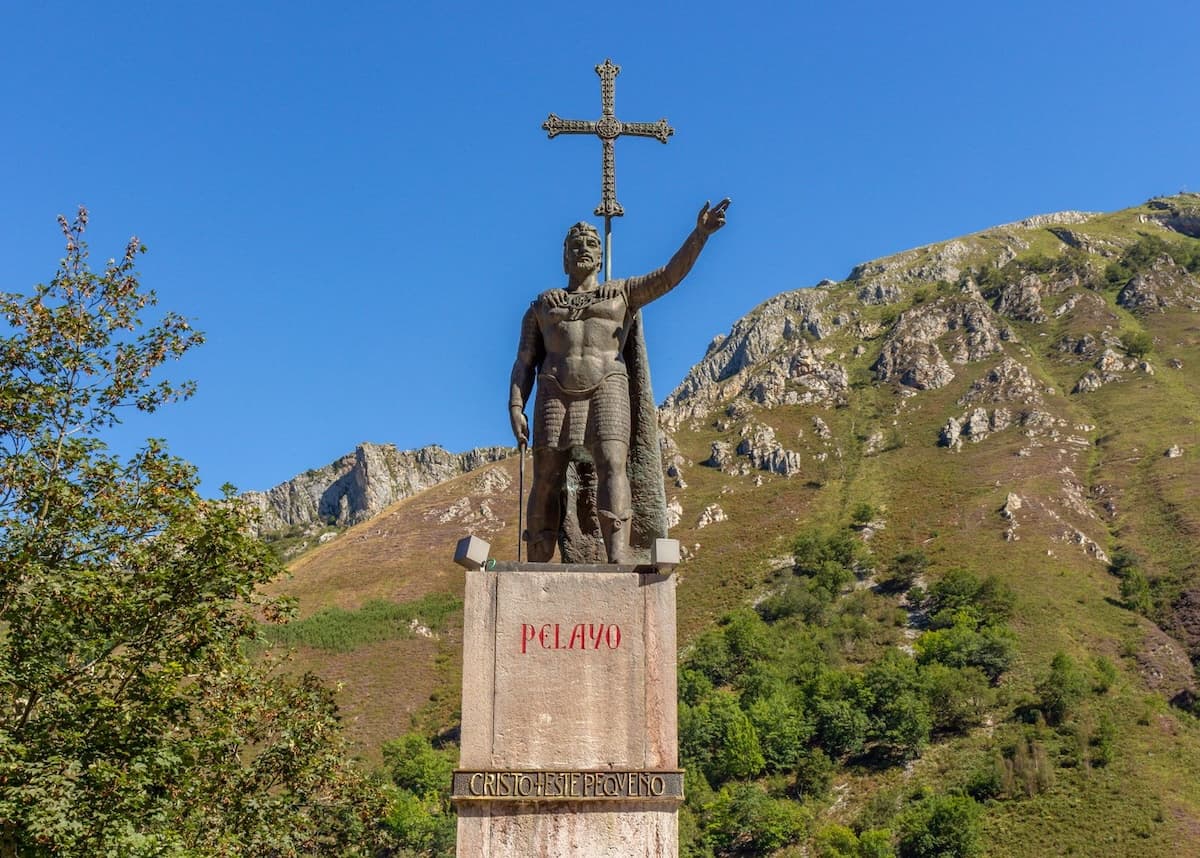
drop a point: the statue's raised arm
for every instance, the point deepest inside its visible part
(644, 289)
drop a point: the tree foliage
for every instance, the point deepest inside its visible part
(131, 723)
(420, 815)
(940, 826)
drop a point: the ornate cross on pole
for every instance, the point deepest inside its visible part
(608, 128)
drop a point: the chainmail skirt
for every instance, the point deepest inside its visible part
(562, 420)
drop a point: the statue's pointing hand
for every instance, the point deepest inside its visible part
(711, 219)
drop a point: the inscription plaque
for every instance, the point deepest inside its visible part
(567, 785)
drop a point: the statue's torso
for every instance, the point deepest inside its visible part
(583, 334)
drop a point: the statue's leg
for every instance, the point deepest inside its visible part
(544, 512)
(613, 498)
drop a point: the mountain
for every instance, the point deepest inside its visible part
(359, 486)
(1018, 406)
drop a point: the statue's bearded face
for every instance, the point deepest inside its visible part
(581, 251)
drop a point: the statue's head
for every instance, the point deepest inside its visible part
(582, 250)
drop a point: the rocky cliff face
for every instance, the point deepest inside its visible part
(1062, 341)
(361, 484)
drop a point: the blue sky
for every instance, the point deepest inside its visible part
(356, 204)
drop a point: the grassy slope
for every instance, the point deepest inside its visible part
(1147, 801)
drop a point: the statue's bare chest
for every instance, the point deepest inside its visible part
(576, 318)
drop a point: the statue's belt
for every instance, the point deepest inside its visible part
(551, 381)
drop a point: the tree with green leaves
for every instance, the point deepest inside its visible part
(940, 826)
(131, 721)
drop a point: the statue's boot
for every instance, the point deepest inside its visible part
(615, 529)
(540, 545)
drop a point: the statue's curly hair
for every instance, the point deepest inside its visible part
(582, 226)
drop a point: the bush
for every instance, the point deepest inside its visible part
(783, 731)
(419, 812)
(841, 704)
(1135, 591)
(814, 549)
(814, 774)
(1137, 344)
(421, 825)
(413, 764)
(876, 843)
(963, 645)
(719, 738)
(743, 819)
(1106, 674)
(797, 597)
(990, 600)
(957, 696)
(710, 657)
(900, 716)
(863, 514)
(1025, 769)
(835, 841)
(1062, 689)
(1137, 258)
(746, 639)
(988, 780)
(941, 826)
(1103, 742)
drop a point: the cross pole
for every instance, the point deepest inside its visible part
(608, 128)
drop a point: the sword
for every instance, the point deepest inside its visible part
(520, 498)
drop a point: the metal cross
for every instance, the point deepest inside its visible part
(608, 128)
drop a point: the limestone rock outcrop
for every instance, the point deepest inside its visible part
(769, 358)
(765, 453)
(1165, 285)
(360, 484)
(912, 356)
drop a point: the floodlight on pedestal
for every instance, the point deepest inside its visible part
(665, 555)
(471, 553)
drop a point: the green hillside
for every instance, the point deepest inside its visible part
(941, 523)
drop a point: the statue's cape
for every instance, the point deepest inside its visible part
(645, 453)
(580, 540)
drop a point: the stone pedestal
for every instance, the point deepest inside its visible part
(569, 735)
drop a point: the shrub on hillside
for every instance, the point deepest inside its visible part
(783, 730)
(419, 813)
(814, 549)
(957, 696)
(415, 765)
(1026, 769)
(744, 820)
(717, 737)
(1062, 688)
(940, 826)
(1137, 344)
(838, 841)
(842, 721)
(710, 657)
(863, 514)
(989, 599)
(965, 644)
(796, 597)
(814, 774)
(900, 719)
